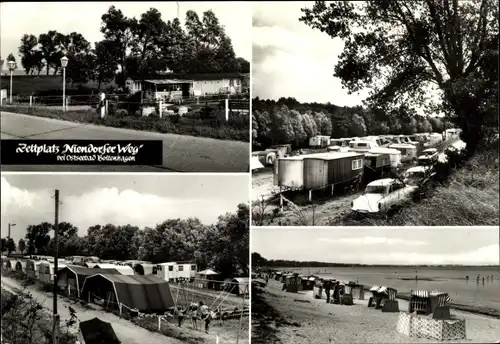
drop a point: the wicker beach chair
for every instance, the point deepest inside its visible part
(420, 302)
(388, 301)
(372, 301)
(346, 297)
(441, 310)
(336, 292)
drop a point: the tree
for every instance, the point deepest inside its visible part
(358, 127)
(4, 244)
(38, 238)
(12, 58)
(119, 29)
(21, 245)
(10, 245)
(51, 47)
(258, 260)
(105, 65)
(243, 65)
(28, 53)
(401, 50)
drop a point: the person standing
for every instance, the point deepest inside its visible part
(205, 315)
(180, 316)
(327, 291)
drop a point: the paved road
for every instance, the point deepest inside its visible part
(126, 331)
(180, 153)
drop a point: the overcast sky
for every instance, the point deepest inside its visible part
(380, 245)
(142, 200)
(19, 18)
(292, 60)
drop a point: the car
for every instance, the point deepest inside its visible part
(428, 156)
(383, 195)
(418, 175)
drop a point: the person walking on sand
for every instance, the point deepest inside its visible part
(327, 291)
(477, 279)
(483, 280)
(194, 316)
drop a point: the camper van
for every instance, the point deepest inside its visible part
(173, 271)
(408, 152)
(434, 139)
(362, 145)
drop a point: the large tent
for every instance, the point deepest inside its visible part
(123, 269)
(73, 276)
(147, 294)
(96, 331)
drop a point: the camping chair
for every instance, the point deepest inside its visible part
(346, 297)
(373, 300)
(441, 310)
(389, 302)
(420, 302)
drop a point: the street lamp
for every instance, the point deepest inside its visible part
(10, 225)
(64, 63)
(12, 66)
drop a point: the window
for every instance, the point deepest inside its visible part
(170, 268)
(159, 267)
(362, 144)
(357, 164)
(181, 268)
(193, 267)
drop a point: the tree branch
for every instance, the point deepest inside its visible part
(479, 38)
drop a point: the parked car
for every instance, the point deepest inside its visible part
(383, 195)
(418, 175)
(428, 156)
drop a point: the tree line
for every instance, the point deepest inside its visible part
(223, 246)
(443, 48)
(135, 48)
(287, 121)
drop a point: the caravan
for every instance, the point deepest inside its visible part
(173, 271)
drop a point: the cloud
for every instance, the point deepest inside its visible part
(374, 241)
(102, 206)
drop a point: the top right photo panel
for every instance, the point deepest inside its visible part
(379, 113)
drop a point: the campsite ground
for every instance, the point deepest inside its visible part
(281, 317)
(127, 331)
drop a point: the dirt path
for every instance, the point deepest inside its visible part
(298, 318)
(126, 331)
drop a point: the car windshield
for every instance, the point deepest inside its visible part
(376, 189)
(429, 152)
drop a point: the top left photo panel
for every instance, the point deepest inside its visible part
(125, 86)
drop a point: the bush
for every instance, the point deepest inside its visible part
(174, 118)
(121, 113)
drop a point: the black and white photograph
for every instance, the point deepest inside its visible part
(395, 285)
(177, 72)
(375, 113)
(128, 259)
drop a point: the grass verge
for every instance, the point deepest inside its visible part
(469, 197)
(236, 128)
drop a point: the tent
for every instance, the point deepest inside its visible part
(145, 269)
(123, 269)
(241, 285)
(255, 163)
(147, 294)
(96, 331)
(72, 277)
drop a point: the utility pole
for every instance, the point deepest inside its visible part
(56, 319)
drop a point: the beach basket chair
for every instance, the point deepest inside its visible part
(420, 302)
(388, 301)
(372, 301)
(346, 298)
(336, 292)
(441, 310)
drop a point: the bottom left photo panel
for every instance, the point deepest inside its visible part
(125, 258)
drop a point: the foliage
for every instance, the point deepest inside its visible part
(24, 321)
(403, 51)
(21, 245)
(136, 48)
(222, 246)
(289, 121)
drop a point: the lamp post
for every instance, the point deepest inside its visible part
(12, 66)
(56, 318)
(10, 225)
(64, 63)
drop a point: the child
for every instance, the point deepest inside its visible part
(180, 316)
(194, 316)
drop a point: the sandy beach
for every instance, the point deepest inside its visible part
(281, 317)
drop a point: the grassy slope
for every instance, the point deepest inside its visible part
(469, 198)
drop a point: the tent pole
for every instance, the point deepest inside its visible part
(241, 315)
